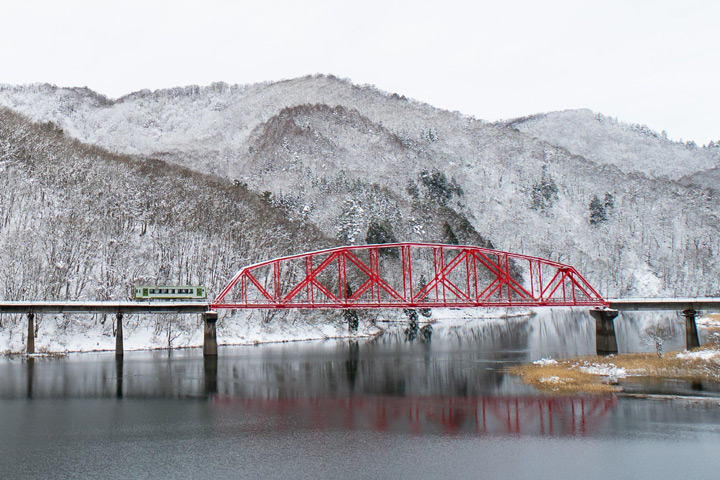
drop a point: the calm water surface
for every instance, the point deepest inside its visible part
(383, 408)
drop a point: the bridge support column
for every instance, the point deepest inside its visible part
(119, 350)
(31, 333)
(210, 339)
(692, 340)
(605, 339)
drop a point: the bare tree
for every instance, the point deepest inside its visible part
(658, 334)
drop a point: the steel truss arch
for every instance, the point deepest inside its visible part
(406, 275)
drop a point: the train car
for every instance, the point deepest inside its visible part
(169, 292)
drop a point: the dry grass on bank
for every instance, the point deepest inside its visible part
(562, 378)
(574, 375)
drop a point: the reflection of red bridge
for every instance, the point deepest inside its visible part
(407, 275)
(480, 415)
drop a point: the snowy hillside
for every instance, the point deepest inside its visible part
(363, 165)
(707, 179)
(77, 222)
(631, 148)
(212, 123)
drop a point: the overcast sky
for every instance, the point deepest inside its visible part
(652, 62)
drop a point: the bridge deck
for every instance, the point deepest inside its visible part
(195, 307)
(104, 307)
(665, 303)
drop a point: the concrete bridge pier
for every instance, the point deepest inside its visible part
(31, 333)
(605, 339)
(119, 349)
(692, 340)
(210, 339)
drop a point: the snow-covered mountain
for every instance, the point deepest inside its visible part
(604, 140)
(211, 124)
(570, 186)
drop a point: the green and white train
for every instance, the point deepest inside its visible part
(170, 292)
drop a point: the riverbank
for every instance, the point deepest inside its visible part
(604, 374)
(96, 333)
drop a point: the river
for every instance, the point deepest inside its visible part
(375, 408)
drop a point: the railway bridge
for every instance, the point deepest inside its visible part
(390, 276)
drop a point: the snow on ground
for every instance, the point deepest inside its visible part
(555, 380)
(87, 333)
(462, 315)
(606, 370)
(545, 361)
(706, 355)
(708, 321)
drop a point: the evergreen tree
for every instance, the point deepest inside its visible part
(412, 328)
(449, 236)
(350, 315)
(349, 221)
(544, 193)
(379, 231)
(609, 201)
(425, 312)
(439, 189)
(412, 190)
(598, 214)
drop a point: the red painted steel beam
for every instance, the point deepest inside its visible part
(474, 277)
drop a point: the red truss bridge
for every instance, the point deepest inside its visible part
(407, 275)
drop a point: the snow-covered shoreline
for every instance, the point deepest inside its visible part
(57, 334)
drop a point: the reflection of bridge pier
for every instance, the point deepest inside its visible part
(210, 374)
(351, 364)
(30, 376)
(118, 376)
